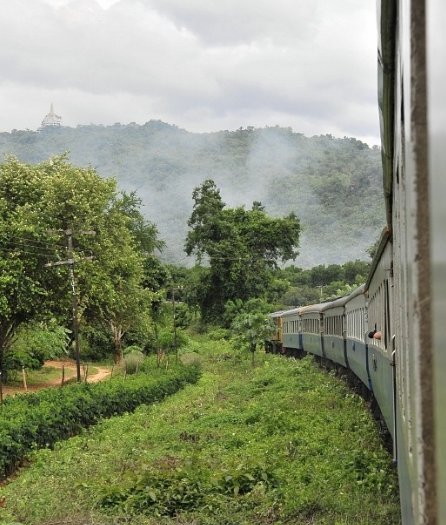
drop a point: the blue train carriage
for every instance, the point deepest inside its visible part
(312, 329)
(356, 335)
(274, 343)
(412, 66)
(380, 335)
(292, 336)
(334, 343)
(429, 349)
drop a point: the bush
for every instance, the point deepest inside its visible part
(96, 343)
(39, 420)
(36, 342)
(133, 361)
(217, 334)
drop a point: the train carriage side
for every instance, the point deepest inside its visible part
(334, 331)
(274, 343)
(380, 341)
(412, 78)
(356, 333)
(291, 330)
(313, 329)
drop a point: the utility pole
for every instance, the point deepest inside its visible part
(75, 302)
(175, 341)
(174, 326)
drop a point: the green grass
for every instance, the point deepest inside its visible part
(35, 377)
(283, 443)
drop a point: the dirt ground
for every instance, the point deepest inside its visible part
(70, 372)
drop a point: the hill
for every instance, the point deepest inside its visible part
(333, 185)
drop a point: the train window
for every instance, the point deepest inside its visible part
(387, 314)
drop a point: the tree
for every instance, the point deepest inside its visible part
(122, 279)
(242, 248)
(252, 329)
(25, 246)
(39, 205)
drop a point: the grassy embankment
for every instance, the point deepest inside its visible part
(283, 443)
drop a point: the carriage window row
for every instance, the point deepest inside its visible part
(356, 325)
(334, 325)
(310, 326)
(291, 327)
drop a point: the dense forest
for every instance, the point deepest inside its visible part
(332, 185)
(81, 282)
(67, 234)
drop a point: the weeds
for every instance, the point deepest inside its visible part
(282, 443)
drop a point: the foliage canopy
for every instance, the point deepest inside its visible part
(39, 206)
(241, 247)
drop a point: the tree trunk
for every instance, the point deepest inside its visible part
(7, 330)
(253, 353)
(117, 334)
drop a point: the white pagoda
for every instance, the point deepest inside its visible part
(51, 119)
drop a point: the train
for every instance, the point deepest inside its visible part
(391, 332)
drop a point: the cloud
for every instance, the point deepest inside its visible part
(202, 65)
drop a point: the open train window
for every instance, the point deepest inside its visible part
(386, 314)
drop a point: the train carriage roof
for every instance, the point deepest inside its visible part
(335, 304)
(277, 314)
(356, 292)
(386, 84)
(312, 309)
(292, 311)
(384, 239)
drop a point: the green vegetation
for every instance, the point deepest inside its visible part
(39, 420)
(279, 442)
(108, 266)
(42, 376)
(241, 247)
(321, 283)
(36, 342)
(334, 185)
(283, 443)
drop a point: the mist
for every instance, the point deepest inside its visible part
(332, 184)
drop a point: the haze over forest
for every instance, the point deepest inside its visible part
(333, 185)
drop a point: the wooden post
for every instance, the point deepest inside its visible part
(25, 386)
(63, 375)
(1, 389)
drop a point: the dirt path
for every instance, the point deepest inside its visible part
(70, 372)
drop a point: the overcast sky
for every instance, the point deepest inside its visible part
(204, 65)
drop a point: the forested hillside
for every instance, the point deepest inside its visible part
(333, 185)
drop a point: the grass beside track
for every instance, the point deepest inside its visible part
(282, 443)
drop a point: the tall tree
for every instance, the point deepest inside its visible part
(240, 246)
(113, 289)
(39, 205)
(25, 246)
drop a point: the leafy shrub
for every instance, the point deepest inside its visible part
(219, 333)
(133, 361)
(162, 494)
(169, 493)
(190, 358)
(132, 348)
(97, 343)
(36, 342)
(39, 420)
